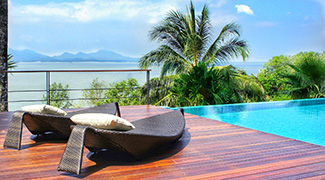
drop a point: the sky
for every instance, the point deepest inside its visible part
(271, 27)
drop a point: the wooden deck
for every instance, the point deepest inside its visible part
(208, 150)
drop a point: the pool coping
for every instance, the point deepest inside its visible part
(231, 108)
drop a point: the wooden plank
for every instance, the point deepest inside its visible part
(209, 149)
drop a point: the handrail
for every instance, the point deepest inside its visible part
(48, 81)
(40, 71)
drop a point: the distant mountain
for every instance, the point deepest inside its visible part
(27, 55)
(101, 55)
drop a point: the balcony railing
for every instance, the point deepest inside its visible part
(49, 75)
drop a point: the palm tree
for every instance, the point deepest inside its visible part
(308, 77)
(186, 41)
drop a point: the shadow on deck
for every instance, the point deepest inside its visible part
(208, 149)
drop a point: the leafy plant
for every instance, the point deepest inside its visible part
(124, 92)
(59, 95)
(279, 76)
(159, 88)
(271, 76)
(249, 88)
(11, 64)
(204, 85)
(95, 93)
(308, 77)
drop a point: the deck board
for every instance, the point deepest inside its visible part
(209, 149)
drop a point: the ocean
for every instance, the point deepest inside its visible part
(36, 81)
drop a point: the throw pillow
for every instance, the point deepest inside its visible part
(102, 121)
(44, 109)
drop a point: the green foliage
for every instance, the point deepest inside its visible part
(124, 92)
(271, 77)
(249, 88)
(298, 76)
(204, 85)
(95, 93)
(186, 40)
(11, 64)
(200, 86)
(159, 88)
(308, 76)
(59, 96)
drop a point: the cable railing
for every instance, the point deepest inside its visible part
(49, 74)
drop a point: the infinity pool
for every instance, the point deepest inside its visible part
(298, 119)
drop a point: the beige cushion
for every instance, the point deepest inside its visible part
(102, 121)
(44, 109)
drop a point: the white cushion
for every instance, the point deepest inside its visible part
(102, 121)
(44, 109)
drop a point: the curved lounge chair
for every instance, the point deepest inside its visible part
(149, 134)
(38, 123)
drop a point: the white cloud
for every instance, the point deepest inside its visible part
(92, 10)
(244, 9)
(118, 25)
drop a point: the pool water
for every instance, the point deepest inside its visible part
(299, 119)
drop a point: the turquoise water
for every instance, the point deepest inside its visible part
(302, 120)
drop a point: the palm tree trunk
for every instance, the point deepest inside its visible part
(3, 55)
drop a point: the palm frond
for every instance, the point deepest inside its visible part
(204, 27)
(170, 31)
(11, 64)
(227, 45)
(172, 64)
(250, 85)
(308, 76)
(191, 18)
(170, 60)
(232, 49)
(227, 30)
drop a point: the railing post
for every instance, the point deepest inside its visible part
(148, 87)
(48, 87)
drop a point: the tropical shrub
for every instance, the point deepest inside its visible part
(95, 93)
(308, 76)
(200, 86)
(279, 76)
(59, 96)
(271, 77)
(204, 85)
(124, 92)
(159, 88)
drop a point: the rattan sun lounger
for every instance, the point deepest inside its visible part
(38, 123)
(149, 134)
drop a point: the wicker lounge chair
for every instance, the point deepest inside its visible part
(38, 123)
(149, 134)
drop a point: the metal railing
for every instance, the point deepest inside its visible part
(48, 83)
